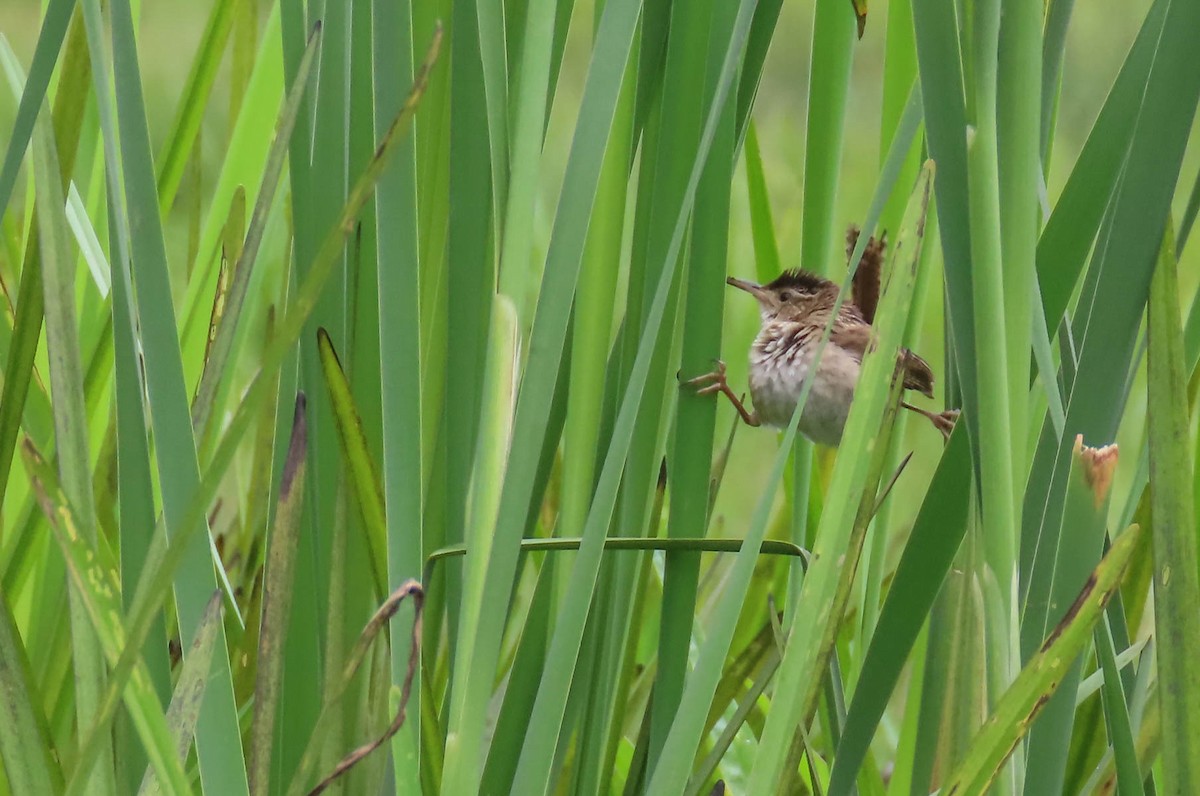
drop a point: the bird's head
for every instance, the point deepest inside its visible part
(791, 297)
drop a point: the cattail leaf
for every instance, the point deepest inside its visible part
(1037, 682)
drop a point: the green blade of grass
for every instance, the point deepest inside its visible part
(476, 660)
(1129, 776)
(766, 252)
(30, 759)
(189, 688)
(686, 85)
(243, 168)
(55, 21)
(93, 576)
(1176, 584)
(1132, 237)
(218, 741)
(19, 367)
(162, 560)
(533, 771)
(470, 278)
(186, 128)
(591, 341)
(994, 445)
(1071, 229)
(364, 478)
(70, 424)
(1019, 170)
(1080, 546)
(397, 221)
(940, 67)
(936, 537)
(222, 347)
(829, 87)
(337, 686)
(1017, 707)
(277, 603)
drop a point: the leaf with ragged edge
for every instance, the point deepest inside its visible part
(1031, 690)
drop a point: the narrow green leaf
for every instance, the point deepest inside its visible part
(189, 688)
(762, 228)
(93, 577)
(1176, 579)
(1019, 705)
(533, 772)
(70, 424)
(364, 478)
(935, 539)
(163, 560)
(222, 350)
(1072, 227)
(1129, 775)
(45, 53)
(337, 686)
(193, 102)
(476, 660)
(25, 744)
(277, 603)
(400, 340)
(218, 741)
(695, 28)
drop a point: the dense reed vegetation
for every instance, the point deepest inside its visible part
(342, 441)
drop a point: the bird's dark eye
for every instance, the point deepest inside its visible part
(785, 295)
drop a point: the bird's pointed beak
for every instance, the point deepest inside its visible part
(756, 290)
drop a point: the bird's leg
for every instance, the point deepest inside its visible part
(943, 421)
(715, 382)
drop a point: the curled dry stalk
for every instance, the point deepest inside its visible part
(374, 627)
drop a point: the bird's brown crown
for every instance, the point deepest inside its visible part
(799, 280)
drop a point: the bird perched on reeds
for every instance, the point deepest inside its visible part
(795, 309)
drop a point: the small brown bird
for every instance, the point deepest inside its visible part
(795, 309)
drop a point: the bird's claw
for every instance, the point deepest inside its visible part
(713, 381)
(944, 422)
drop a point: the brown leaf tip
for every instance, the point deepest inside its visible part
(297, 446)
(1098, 466)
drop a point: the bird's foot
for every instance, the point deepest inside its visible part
(944, 422)
(715, 382)
(711, 382)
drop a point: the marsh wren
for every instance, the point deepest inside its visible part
(795, 309)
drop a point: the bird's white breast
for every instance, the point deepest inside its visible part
(780, 360)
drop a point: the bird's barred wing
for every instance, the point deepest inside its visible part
(855, 339)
